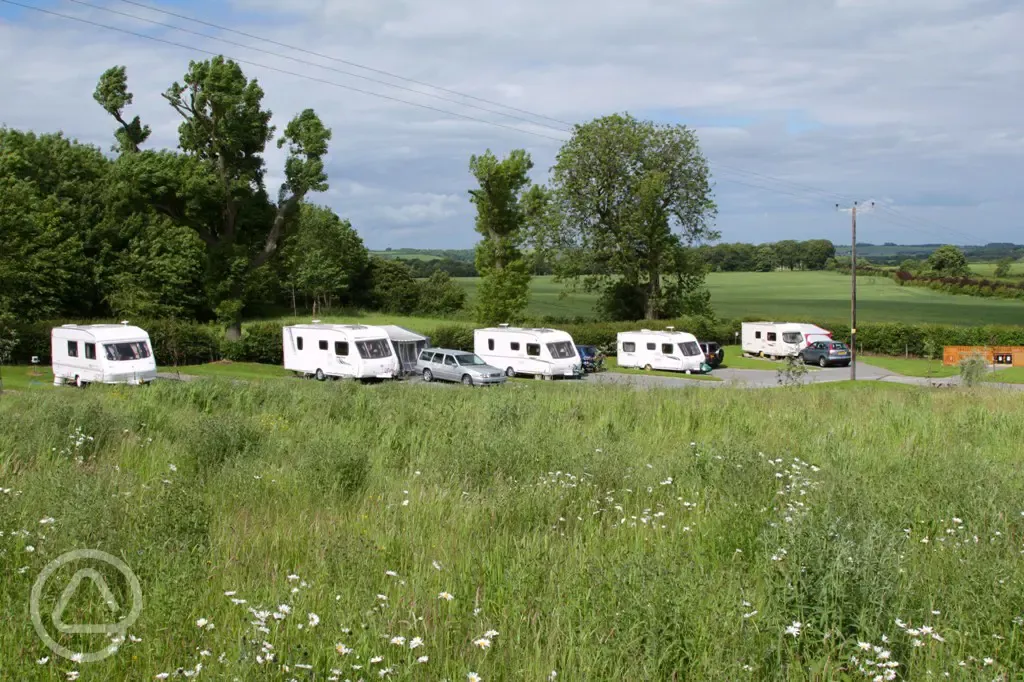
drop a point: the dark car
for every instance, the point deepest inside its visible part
(591, 358)
(826, 353)
(713, 353)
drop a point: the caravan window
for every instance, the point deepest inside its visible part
(757, 335)
(690, 348)
(514, 345)
(561, 350)
(90, 351)
(298, 342)
(133, 350)
(490, 344)
(533, 349)
(376, 348)
(652, 346)
(323, 345)
(771, 336)
(341, 347)
(72, 349)
(666, 349)
(792, 337)
(628, 347)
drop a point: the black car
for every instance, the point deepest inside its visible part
(590, 357)
(713, 353)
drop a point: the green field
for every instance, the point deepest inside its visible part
(818, 295)
(604, 535)
(989, 269)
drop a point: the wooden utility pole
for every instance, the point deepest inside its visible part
(853, 294)
(853, 289)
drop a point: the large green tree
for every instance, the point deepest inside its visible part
(325, 258)
(215, 186)
(948, 261)
(501, 220)
(633, 198)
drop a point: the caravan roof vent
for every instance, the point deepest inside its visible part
(671, 329)
(124, 322)
(316, 321)
(503, 325)
(645, 330)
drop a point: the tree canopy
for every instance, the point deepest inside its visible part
(633, 199)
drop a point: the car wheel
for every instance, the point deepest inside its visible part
(428, 376)
(821, 361)
(509, 372)
(320, 376)
(467, 380)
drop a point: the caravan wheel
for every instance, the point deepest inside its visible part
(78, 381)
(647, 368)
(320, 376)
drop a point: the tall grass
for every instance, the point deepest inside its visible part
(605, 535)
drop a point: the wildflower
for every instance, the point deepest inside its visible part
(292, 577)
(436, 564)
(201, 623)
(794, 629)
(483, 643)
(382, 597)
(987, 661)
(44, 660)
(172, 468)
(376, 659)
(749, 615)
(405, 503)
(391, 573)
(864, 646)
(46, 521)
(284, 608)
(446, 596)
(314, 620)
(230, 593)
(30, 549)
(398, 641)
(342, 649)
(204, 653)
(73, 675)
(552, 676)
(491, 633)
(416, 643)
(162, 676)
(473, 677)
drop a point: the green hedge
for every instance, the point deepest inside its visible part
(187, 343)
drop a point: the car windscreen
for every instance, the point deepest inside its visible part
(690, 348)
(468, 360)
(587, 351)
(374, 348)
(792, 337)
(561, 350)
(129, 350)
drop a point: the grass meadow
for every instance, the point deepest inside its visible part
(820, 295)
(306, 531)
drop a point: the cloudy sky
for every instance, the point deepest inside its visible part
(799, 104)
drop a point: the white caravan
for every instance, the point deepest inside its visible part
(665, 350)
(351, 351)
(546, 353)
(101, 354)
(780, 339)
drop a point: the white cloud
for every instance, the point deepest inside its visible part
(910, 100)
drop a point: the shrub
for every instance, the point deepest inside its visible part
(972, 370)
(456, 337)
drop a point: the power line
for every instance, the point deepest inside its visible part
(283, 71)
(342, 61)
(312, 63)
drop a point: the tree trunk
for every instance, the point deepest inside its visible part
(233, 331)
(653, 295)
(294, 309)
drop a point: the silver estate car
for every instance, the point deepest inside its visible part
(457, 365)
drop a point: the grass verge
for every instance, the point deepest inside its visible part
(911, 367)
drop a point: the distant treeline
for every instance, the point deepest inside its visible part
(895, 254)
(813, 254)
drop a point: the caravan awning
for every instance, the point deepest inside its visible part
(396, 333)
